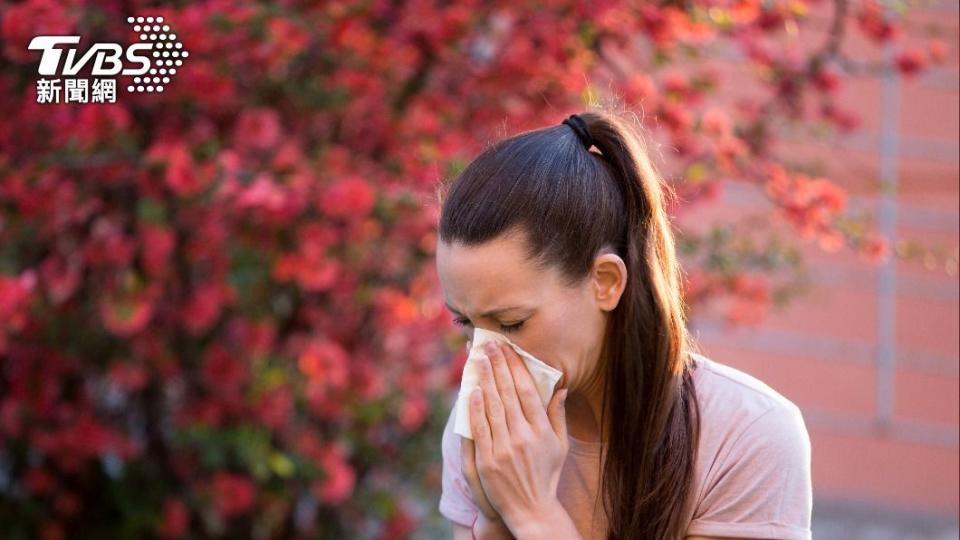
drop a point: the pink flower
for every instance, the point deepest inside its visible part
(716, 122)
(263, 193)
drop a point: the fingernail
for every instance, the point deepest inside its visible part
(563, 397)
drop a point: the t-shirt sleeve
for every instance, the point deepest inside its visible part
(456, 498)
(763, 490)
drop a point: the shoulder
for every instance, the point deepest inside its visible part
(733, 402)
(745, 422)
(753, 464)
(718, 383)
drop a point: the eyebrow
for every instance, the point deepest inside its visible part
(489, 314)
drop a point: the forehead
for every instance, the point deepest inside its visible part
(494, 274)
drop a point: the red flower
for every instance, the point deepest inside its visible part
(175, 519)
(399, 525)
(324, 361)
(156, 246)
(872, 22)
(257, 129)
(275, 407)
(938, 50)
(349, 197)
(205, 305)
(339, 478)
(67, 504)
(911, 60)
(23, 21)
(413, 410)
(875, 248)
(827, 79)
(15, 295)
(223, 371)
(126, 313)
(233, 494)
(182, 174)
(128, 376)
(38, 482)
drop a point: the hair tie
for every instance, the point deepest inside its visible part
(580, 128)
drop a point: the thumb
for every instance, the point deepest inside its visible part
(557, 413)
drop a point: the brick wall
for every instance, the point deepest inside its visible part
(870, 354)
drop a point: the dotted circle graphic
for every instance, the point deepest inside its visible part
(166, 51)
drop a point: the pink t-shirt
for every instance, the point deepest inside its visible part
(752, 476)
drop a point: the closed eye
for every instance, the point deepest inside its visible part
(505, 327)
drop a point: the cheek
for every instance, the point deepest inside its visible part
(569, 339)
(556, 342)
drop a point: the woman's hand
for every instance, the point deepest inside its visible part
(520, 447)
(468, 459)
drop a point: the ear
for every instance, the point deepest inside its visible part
(609, 280)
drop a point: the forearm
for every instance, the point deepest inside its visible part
(555, 523)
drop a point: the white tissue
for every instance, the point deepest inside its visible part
(544, 377)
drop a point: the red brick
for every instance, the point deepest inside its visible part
(824, 384)
(926, 397)
(911, 475)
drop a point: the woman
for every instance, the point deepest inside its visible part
(559, 239)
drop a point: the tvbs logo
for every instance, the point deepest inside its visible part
(152, 62)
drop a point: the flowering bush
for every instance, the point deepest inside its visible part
(218, 309)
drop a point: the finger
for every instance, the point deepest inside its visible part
(497, 424)
(527, 394)
(468, 461)
(479, 426)
(469, 465)
(557, 413)
(469, 346)
(467, 457)
(503, 377)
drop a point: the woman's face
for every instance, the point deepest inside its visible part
(561, 326)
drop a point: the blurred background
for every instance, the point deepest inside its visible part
(219, 313)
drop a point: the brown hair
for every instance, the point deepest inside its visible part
(571, 202)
